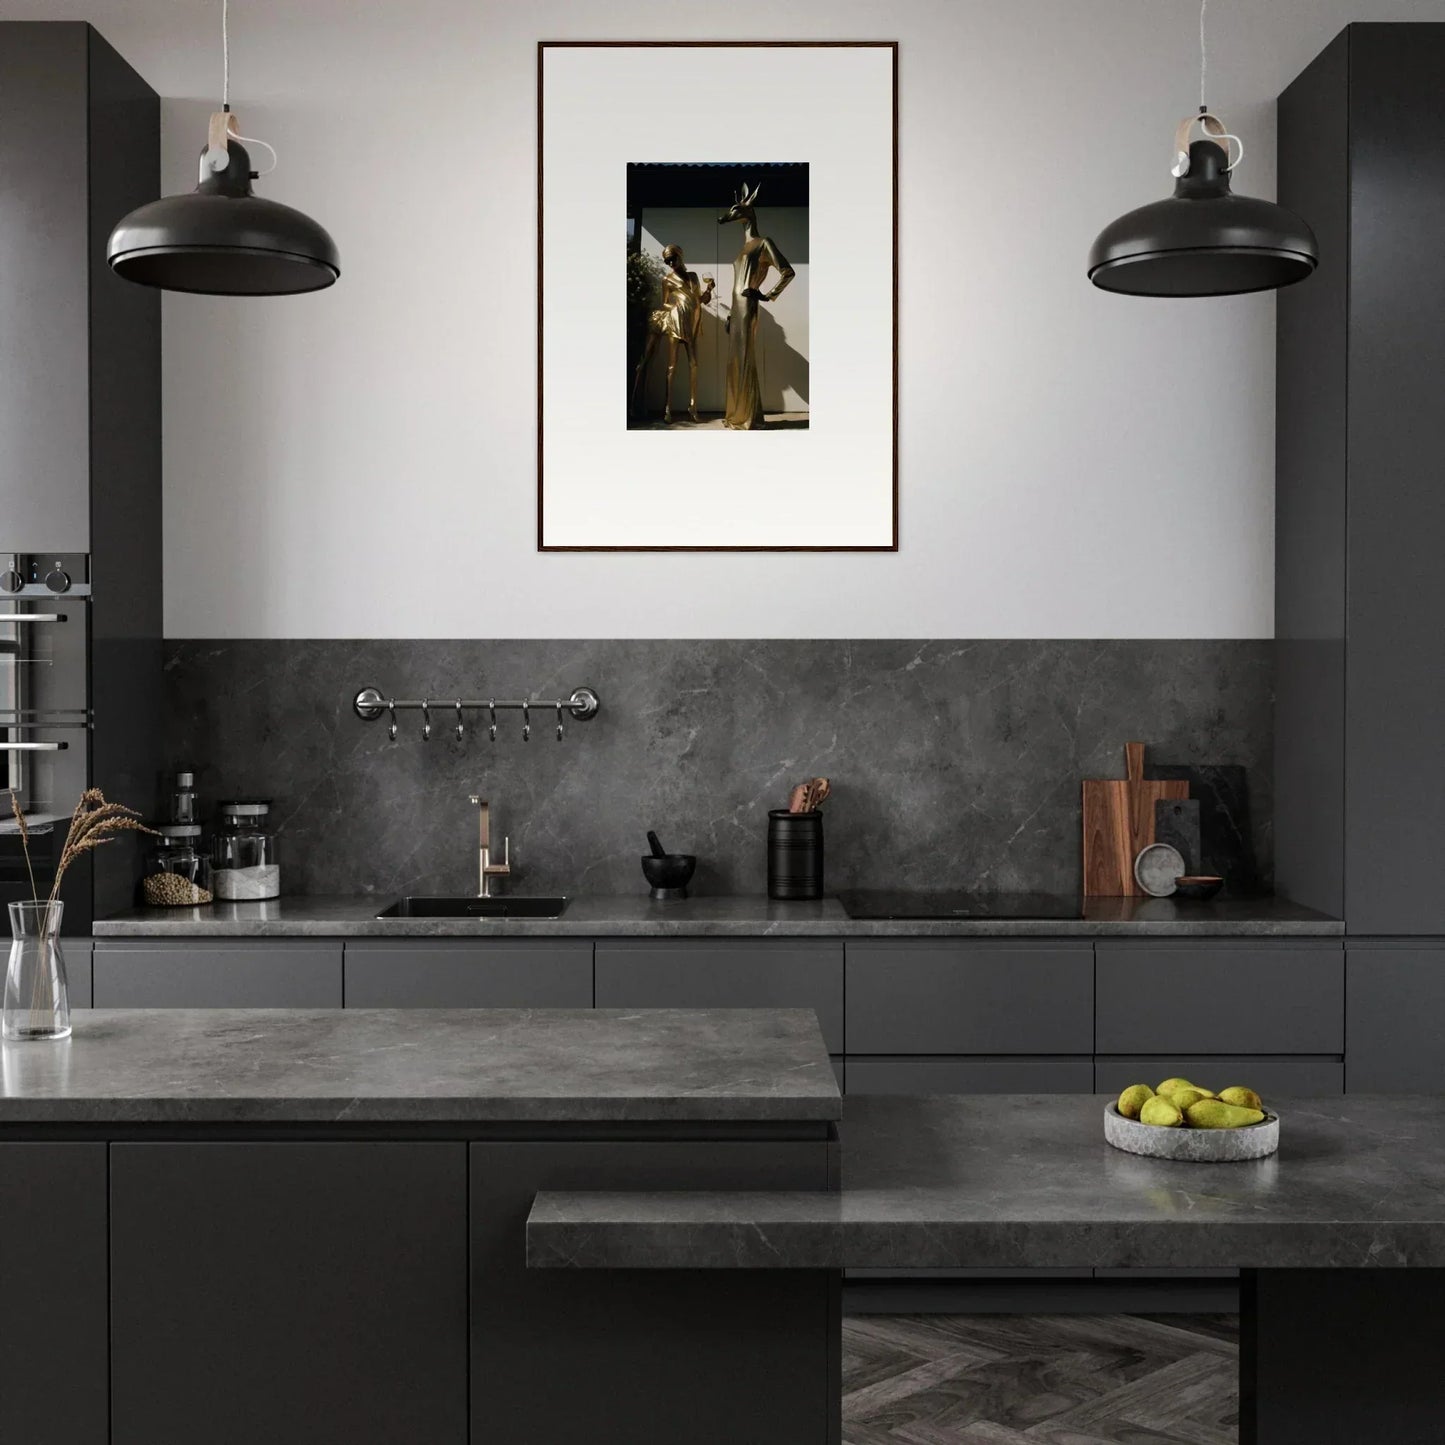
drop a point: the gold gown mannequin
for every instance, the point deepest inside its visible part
(679, 319)
(743, 410)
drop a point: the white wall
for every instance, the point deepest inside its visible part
(321, 451)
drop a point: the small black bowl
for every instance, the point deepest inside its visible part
(1197, 886)
(670, 874)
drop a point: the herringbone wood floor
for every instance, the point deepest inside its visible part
(1040, 1380)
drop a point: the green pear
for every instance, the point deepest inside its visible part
(1160, 1111)
(1215, 1114)
(1244, 1098)
(1183, 1098)
(1133, 1099)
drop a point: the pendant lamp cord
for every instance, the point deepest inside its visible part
(1203, 55)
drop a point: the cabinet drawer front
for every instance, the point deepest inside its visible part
(1396, 1019)
(946, 997)
(330, 1278)
(198, 974)
(1218, 999)
(1300, 1077)
(970, 1076)
(733, 974)
(456, 974)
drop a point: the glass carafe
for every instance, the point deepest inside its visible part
(37, 1000)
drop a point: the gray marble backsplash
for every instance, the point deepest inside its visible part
(954, 764)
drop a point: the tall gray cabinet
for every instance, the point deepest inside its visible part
(1360, 533)
(80, 437)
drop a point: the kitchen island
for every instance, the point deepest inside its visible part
(1341, 1235)
(309, 1226)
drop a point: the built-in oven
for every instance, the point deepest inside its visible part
(45, 722)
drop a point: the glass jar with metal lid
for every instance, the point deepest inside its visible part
(178, 868)
(243, 854)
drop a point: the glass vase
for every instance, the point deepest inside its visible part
(37, 1000)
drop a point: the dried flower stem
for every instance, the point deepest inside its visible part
(24, 843)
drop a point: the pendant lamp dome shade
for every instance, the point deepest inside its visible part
(1203, 240)
(223, 240)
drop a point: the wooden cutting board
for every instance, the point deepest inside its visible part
(1118, 822)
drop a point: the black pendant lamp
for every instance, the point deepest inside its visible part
(1203, 240)
(222, 239)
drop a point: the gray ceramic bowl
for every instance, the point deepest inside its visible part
(1192, 1146)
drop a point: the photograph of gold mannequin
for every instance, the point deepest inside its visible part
(743, 409)
(679, 319)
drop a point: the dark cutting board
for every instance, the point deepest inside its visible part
(1176, 822)
(1226, 839)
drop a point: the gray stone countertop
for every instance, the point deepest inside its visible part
(740, 917)
(422, 1066)
(1025, 1181)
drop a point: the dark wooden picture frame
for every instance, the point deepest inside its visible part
(542, 47)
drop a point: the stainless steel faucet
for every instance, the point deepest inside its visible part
(487, 870)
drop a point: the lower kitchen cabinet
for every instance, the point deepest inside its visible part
(77, 952)
(54, 1338)
(753, 1353)
(1159, 996)
(292, 1293)
(205, 973)
(1271, 1075)
(1396, 1017)
(468, 973)
(970, 1076)
(731, 973)
(944, 997)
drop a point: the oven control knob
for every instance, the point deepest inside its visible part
(11, 580)
(58, 580)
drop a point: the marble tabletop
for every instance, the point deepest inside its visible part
(743, 917)
(1027, 1181)
(422, 1066)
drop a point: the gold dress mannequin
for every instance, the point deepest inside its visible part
(743, 410)
(679, 319)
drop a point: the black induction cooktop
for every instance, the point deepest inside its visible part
(885, 903)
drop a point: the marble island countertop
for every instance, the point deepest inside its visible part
(1027, 1181)
(423, 1066)
(740, 917)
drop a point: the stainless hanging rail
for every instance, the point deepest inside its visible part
(371, 703)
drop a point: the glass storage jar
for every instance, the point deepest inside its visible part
(178, 869)
(243, 854)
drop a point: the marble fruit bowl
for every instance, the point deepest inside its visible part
(1194, 1146)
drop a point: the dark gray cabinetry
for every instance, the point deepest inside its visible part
(53, 1363)
(80, 395)
(950, 996)
(970, 1076)
(462, 973)
(1158, 997)
(1396, 1012)
(1360, 507)
(204, 973)
(44, 307)
(753, 1363)
(77, 953)
(744, 973)
(1272, 1074)
(296, 1293)
(80, 440)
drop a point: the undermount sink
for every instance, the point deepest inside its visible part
(475, 908)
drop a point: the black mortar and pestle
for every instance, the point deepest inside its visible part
(668, 873)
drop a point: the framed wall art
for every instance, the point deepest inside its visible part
(734, 386)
